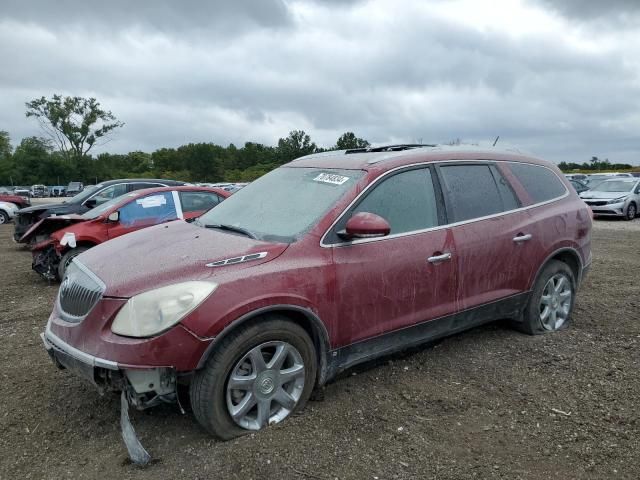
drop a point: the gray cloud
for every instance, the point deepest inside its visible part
(252, 71)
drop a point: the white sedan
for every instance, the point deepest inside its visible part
(7, 212)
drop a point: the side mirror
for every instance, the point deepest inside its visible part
(114, 216)
(365, 225)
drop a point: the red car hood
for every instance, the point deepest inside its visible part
(170, 253)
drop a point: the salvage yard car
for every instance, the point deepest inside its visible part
(19, 201)
(618, 197)
(124, 214)
(323, 263)
(7, 211)
(84, 201)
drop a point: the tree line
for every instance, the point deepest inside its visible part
(595, 165)
(37, 160)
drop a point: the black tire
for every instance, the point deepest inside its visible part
(531, 319)
(4, 217)
(66, 260)
(632, 211)
(209, 385)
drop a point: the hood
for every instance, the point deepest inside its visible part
(591, 195)
(170, 253)
(51, 208)
(48, 225)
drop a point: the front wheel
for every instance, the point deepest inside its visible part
(66, 260)
(632, 211)
(551, 301)
(4, 218)
(258, 376)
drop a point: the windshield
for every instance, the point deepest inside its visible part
(615, 186)
(96, 212)
(84, 194)
(283, 204)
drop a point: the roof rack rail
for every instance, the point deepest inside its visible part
(389, 148)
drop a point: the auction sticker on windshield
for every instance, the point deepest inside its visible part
(331, 178)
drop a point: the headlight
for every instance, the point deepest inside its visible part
(617, 200)
(157, 310)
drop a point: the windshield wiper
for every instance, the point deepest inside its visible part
(232, 228)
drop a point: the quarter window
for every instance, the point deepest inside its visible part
(540, 182)
(475, 191)
(406, 200)
(198, 201)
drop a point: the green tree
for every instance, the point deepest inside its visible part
(6, 162)
(349, 140)
(297, 144)
(75, 124)
(31, 160)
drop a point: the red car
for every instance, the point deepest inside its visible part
(19, 201)
(74, 234)
(323, 263)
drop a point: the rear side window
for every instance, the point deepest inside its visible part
(540, 183)
(198, 201)
(406, 200)
(475, 191)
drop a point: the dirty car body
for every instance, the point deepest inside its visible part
(84, 201)
(127, 213)
(341, 258)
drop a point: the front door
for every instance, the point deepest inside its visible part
(408, 277)
(143, 212)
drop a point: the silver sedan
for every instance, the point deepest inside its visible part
(618, 197)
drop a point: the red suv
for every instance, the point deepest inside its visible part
(323, 263)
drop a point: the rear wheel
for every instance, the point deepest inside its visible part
(258, 376)
(632, 211)
(551, 301)
(66, 260)
(4, 218)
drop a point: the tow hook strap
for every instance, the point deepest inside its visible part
(137, 452)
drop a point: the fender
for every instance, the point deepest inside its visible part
(570, 250)
(321, 340)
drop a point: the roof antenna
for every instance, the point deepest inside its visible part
(496, 141)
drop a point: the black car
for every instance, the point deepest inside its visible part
(90, 197)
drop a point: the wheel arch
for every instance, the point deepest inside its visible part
(567, 255)
(304, 317)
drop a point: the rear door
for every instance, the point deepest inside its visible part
(492, 233)
(142, 212)
(408, 277)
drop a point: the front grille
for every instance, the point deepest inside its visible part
(79, 292)
(596, 203)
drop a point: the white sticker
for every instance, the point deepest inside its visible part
(150, 202)
(69, 238)
(331, 178)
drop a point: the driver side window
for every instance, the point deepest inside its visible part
(406, 200)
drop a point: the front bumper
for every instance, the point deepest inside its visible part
(613, 210)
(144, 387)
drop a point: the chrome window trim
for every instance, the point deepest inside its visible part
(439, 227)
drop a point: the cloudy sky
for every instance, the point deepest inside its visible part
(560, 78)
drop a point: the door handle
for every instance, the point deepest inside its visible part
(439, 258)
(522, 238)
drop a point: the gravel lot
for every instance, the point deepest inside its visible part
(489, 403)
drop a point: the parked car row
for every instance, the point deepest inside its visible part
(323, 263)
(619, 197)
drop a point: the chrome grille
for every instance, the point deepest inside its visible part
(79, 292)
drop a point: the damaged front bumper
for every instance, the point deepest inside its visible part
(144, 387)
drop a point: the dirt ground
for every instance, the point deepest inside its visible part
(489, 403)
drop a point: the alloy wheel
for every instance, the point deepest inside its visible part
(265, 386)
(555, 303)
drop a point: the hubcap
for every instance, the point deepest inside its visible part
(555, 302)
(266, 384)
